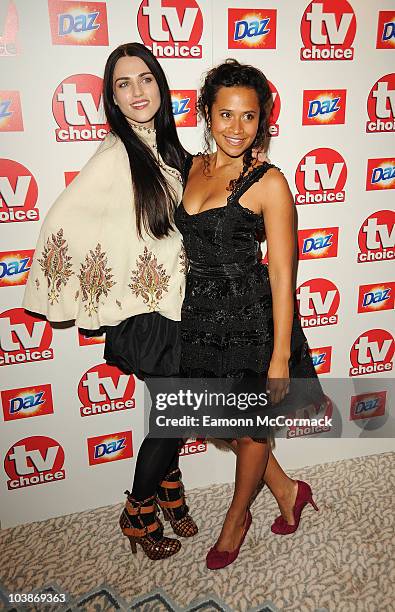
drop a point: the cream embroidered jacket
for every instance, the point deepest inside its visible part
(89, 264)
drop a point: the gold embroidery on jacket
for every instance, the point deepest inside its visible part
(95, 279)
(149, 279)
(56, 265)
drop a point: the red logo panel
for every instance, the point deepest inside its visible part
(104, 388)
(252, 28)
(9, 31)
(77, 107)
(324, 106)
(10, 112)
(381, 105)
(321, 177)
(322, 359)
(386, 30)
(18, 193)
(377, 296)
(171, 28)
(34, 460)
(318, 301)
(184, 107)
(14, 267)
(193, 446)
(367, 405)
(110, 447)
(73, 23)
(376, 237)
(328, 30)
(372, 352)
(274, 128)
(24, 338)
(380, 174)
(90, 340)
(70, 176)
(27, 402)
(318, 243)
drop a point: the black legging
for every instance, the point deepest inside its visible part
(156, 458)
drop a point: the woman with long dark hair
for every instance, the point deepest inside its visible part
(109, 256)
(238, 317)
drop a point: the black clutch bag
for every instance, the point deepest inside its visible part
(145, 345)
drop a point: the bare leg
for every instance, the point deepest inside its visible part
(250, 465)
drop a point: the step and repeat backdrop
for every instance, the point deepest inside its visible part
(71, 426)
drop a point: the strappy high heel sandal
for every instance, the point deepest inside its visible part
(140, 524)
(171, 499)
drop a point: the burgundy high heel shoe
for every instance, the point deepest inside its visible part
(304, 496)
(217, 559)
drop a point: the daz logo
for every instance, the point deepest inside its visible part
(23, 338)
(380, 174)
(18, 193)
(110, 447)
(104, 388)
(367, 405)
(376, 297)
(27, 402)
(10, 112)
(9, 29)
(322, 358)
(376, 237)
(318, 302)
(328, 30)
(324, 107)
(89, 340)
(32, 461)
(386, 30)
(73, 23)
(171, 28)
(77, 106)
(274, 128)
(252, 28)
(318, 243)
(381, 105)
(14, 267)
(320, 177)
(372, 352)
(184, 107)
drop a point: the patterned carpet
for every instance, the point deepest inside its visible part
(341, 559)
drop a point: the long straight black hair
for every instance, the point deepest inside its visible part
(155, 201)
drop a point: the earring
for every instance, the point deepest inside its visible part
(209, 123)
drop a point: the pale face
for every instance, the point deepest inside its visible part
(136, 91)
(234, 119)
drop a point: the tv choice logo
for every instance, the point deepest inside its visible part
(386, 30)
(110, 447)
(323, 411)
(324, 107)
(321, 177)
(328, 30)
(34, 460)
(78, 24)
(14, 267)
(372, 352)
(104, 389)
(26, 402)
(368, 405)
(318, 301)
(376, 296)
(193, 446)
(252, 28)
(380, 174)
(24, 338)
(322, 359)
(171, 28)
(381, 105)
(376, 237)
(18, 193)
(89, 340)
(10, 112)
(77, 107)
(183, 102)
(9, 31)
(318, 243)
(274, 128)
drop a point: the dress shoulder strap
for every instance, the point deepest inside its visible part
(186, 168)
(252, 177)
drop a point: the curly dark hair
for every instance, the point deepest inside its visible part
(233, 74)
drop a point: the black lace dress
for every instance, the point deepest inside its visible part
(227, 315)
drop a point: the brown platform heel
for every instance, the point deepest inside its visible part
(139, 523)
(171, 499)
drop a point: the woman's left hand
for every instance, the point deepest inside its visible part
(278, 379)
